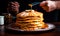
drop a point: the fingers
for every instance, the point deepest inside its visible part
(51, 5)
(44, 5)
(13, 6)
(48, 6)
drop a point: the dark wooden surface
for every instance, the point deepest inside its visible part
(54, 32)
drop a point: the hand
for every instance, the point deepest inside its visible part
(13, 6)
(48, 5)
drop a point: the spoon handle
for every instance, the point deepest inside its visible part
(35, 3)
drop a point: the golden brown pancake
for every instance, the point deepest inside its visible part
(30, 20)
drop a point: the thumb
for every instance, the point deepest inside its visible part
(44, 3)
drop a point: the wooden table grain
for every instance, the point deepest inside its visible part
(54, 32)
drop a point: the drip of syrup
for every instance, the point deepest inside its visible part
(33, 4)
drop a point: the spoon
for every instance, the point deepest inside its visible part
(33, 4)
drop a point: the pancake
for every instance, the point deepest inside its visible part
(30, 20)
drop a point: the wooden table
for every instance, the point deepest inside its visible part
(55, 32)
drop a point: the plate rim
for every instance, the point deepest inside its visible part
(53, 26)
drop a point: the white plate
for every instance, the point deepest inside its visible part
(50, 26)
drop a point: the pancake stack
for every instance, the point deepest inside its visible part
(30, 20)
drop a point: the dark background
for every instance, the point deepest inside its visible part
(52, 16)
